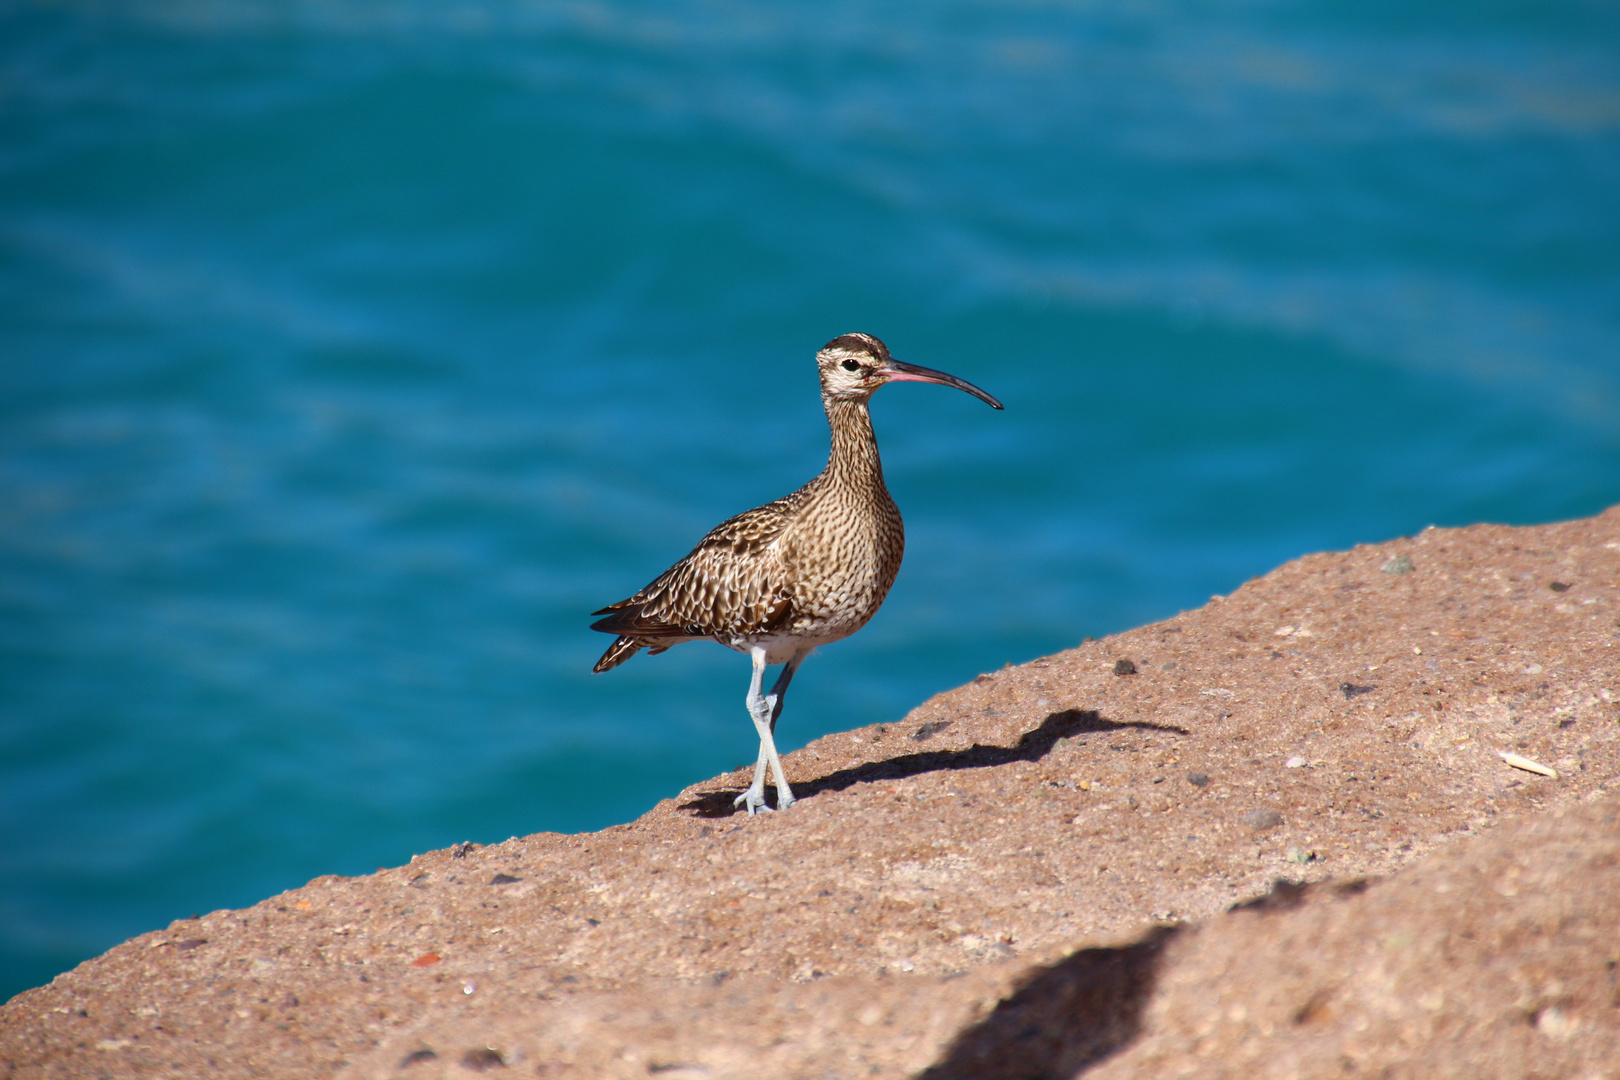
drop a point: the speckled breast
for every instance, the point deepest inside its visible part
(845, 556)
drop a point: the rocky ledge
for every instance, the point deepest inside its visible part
(1357, 818)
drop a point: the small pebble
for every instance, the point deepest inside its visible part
(1558, 586)
(503, 879)
(1400, 564)
(1260, 820)
(1294, 763)
(416, 1057)
(1197, 779)
(1350, 690)
(1124, 667)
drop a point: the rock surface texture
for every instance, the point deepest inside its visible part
(1281, 841)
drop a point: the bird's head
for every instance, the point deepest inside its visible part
(853, 366)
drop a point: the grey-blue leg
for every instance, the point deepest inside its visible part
(764, 709)
(779, 691)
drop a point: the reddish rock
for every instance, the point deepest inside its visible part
(1030, 875)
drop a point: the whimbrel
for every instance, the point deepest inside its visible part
(808, 569)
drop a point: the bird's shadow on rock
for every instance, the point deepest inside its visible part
(1031, 746)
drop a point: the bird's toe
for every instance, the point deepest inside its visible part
(753, 800)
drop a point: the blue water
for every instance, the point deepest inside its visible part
(351, 352)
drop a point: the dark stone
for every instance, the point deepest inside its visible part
(482, 1059)
(1350, 690)
(503, 879)
(1198, 779)
(416, 1057)
(1124, 667)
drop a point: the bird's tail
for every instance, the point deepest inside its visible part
(618, 652)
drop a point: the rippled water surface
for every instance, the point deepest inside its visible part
(352, 352)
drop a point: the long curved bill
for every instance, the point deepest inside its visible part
(899, 371)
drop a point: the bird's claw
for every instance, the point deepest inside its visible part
(756, 804)
(754, 800)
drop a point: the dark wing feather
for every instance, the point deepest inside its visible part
(734, 582)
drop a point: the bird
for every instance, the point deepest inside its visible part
(806, 570)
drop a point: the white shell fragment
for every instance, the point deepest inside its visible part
(1526, 764)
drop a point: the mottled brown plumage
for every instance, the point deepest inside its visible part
(808, 569)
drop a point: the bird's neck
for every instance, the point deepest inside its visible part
(854, 458)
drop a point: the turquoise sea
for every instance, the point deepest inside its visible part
(353, 351)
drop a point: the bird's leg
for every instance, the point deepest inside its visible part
(754, 797)
(760, 710)
(773, 703)
(779, 691)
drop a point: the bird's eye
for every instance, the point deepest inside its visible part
(851, 365)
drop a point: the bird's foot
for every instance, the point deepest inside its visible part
(754, 800)
(784, 799)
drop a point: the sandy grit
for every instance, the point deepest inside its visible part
(1068, 867)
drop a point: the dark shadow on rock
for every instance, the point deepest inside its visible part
(1287, 895)
(1031, 746)
(1064, 1019)
(717, 804)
